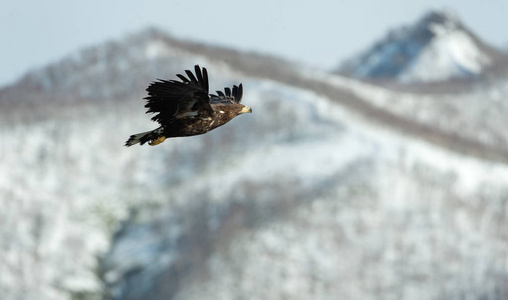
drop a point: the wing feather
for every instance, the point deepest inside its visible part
(172, 99)
(191, 76)
(234, 96)
(183, 78)
(199, 77)
(238, 93)
(205, 80)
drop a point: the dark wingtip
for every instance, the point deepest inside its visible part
(191, 76)
(239, 93)
(183, 78)
(197, 70)
(202, 76)
(205, 80)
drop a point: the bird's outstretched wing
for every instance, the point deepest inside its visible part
(173, 99)
(231, 96)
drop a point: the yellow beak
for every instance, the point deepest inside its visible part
(246, 109)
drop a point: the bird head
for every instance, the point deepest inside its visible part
(245, 109)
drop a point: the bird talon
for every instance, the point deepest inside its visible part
(157, 141)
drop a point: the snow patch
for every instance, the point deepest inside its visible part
(450, 54)
(437, 47)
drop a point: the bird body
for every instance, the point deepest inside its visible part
(185, 108)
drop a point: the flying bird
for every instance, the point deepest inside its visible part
(186, 108)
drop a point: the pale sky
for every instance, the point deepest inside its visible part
(316, 32)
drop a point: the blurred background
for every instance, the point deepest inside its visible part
(374, 166)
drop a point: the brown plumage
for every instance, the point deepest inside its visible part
(185, 108)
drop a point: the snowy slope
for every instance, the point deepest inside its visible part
(451, 53)
(345, 210)
(304, 198)
(474, 114)
(66, 179)
(438, 47)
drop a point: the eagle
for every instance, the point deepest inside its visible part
(186, 108)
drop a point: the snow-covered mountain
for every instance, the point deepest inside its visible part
(438, 47)
(332, 188)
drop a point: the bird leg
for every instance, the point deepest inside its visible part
(157, 141)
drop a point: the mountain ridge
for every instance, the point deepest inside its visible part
(437, 47)
(143, 57)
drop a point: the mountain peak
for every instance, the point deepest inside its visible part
(437, 47)
(438, 23)
(441, 17)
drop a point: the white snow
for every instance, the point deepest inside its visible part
(393, 209)
(476, 115)
(370, 213)
(450, 54)
(436, 48)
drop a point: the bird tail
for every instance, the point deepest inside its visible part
(153, 137)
